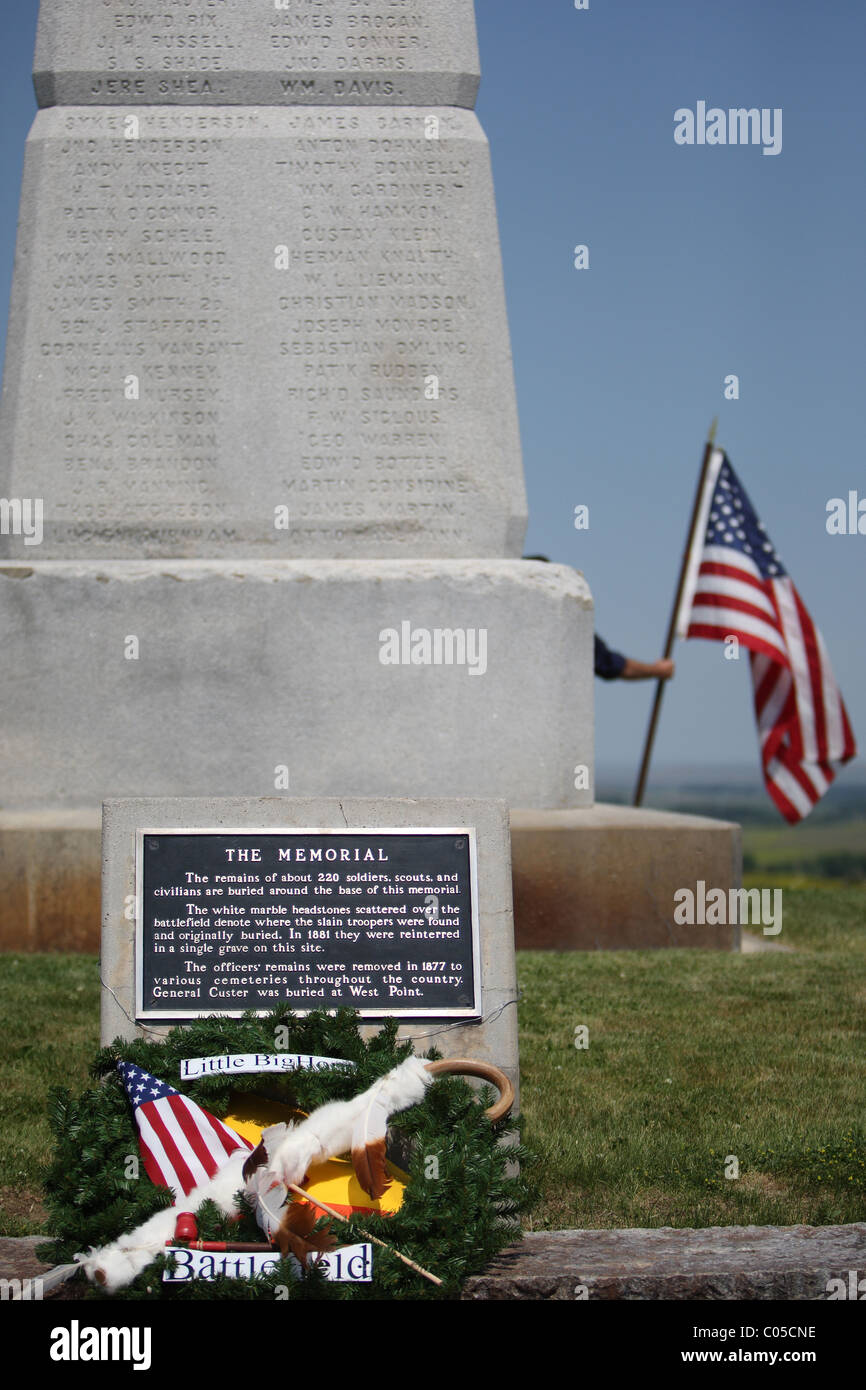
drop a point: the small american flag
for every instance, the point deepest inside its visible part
(182, 1145)
(736, 585)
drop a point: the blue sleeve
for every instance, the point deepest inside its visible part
(609, 665)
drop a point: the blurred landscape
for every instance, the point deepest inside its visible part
(829, 844)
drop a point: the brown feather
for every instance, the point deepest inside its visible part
(255, 1160)
(295, 1233)
(369, 1165)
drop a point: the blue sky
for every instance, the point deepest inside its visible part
(704, 261)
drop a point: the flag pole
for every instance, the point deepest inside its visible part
(672, 625)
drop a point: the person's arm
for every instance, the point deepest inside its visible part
(608, 665)
(643, 670)
(612, 666)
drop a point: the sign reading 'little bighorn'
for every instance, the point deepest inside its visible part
(382, 921)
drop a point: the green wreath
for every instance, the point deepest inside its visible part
(453, 1224)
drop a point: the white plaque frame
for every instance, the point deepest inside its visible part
(181, 1015)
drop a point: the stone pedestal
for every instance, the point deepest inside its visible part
(50, 866)
(153, 677)
(604, 878)
(492, 1039)
(594, 879)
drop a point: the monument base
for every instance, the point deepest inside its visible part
(50, 867)
(604, 878)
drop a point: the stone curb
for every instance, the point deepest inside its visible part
(18, 1257)
(718, 1263)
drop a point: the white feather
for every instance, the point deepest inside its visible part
(114, 1266)
(328, 1131)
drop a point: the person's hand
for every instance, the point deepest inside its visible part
(647, 670)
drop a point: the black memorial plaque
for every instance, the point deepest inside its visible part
(382, 921)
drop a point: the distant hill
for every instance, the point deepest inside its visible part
(731, 794)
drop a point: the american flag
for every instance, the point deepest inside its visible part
(181, 1144)
(736, 585)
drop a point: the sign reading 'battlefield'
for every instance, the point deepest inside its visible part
(382, 921)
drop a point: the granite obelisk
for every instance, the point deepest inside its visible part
(250, 310)
(258, 381)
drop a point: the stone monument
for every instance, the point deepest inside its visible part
(259, 405)
(261, 493)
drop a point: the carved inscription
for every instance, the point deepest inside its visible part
(382, 310)
(143, 338)
(316, 52)
(242, 310)
(378, 921)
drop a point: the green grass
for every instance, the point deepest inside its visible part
(834, 848)
(787, 841)
(693, 1056)
(50, 1010)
